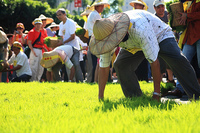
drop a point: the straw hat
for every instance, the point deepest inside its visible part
(48, 20)
(49, 59)
(87, 11)
(136, 1)
(100, 2)
(3, 37)
(53, 24)
(17, 44)
(108, 33)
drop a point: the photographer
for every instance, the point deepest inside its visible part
(18, 34)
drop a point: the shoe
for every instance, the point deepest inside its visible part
(176, 92)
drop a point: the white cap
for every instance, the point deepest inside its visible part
(158, 2)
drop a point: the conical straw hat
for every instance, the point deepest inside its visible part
(87, 11)
(100, 2)
(49, 59)
(48, 20)
(108, 33)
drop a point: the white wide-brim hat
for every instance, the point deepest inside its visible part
(53, 24)
(137, 1)
(108, 33)
(3, 37)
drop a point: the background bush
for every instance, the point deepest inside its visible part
(25, 11)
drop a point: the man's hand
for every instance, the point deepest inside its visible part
(183, 18)
(155, 68)
(34, 53)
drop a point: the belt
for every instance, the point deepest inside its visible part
(38, 48)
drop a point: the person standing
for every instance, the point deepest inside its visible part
(18, 34)
(93, 16)
(36, 44)
(191, 40)
(67, 28)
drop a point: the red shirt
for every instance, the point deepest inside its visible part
(193, 24)
(33, 35)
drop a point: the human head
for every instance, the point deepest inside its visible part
(17, 47)
(37, 23)
(61, 14)
(99, 8)
(45, 20)
(159, 7)
(20, 27)
(137, 4)
(54, 26)
(99, 5)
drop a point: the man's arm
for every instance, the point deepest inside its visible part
(30, 46)
(155, 68)
(70, 38)
(72, 73)
(14, 69)
(103, 78)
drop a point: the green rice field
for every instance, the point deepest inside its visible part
(75, 108)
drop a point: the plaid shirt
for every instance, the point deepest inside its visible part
(145, 34)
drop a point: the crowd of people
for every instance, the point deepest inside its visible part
(140, 45)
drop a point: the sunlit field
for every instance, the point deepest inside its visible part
(74, 107)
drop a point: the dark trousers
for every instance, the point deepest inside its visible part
(126, 64)
(22, 78)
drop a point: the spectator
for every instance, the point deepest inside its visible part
(94, 15)
(155, 38)
(20, 63)
(159, 7)
(36, 44)
(191, 39)
(85, 15)
(51, 30)
(3, 53)
(139, 4)
(18, 34)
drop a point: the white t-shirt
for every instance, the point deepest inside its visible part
(66, 30)
(22, 60)
(69, 52)
(146, 32)
(82, 44)
(94, 15)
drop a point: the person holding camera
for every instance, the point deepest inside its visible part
(18, 34)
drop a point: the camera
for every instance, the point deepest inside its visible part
(17, 32)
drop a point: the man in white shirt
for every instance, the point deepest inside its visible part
(93, 16)
(20, 63)
(149, 34)
(67, 28)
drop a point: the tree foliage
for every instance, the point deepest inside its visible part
(25, 11)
